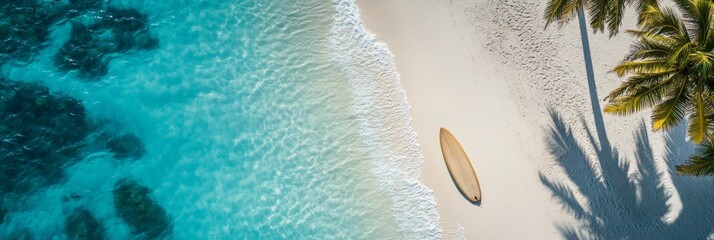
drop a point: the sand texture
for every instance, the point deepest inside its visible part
(552, 164)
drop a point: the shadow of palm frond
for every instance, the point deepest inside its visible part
(610, 204)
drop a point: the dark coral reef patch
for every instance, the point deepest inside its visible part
(82, 52)
(126, 146)
(41, 133)
(91, 46)
(144, 215)
(24, 28)
(130, 29)
(82, 225)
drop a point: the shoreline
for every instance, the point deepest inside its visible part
(381, 111)
(440, 72)
(518, 99)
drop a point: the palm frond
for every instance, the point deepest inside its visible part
(642, 80)
(697, 166)
(646, 9)
(698, 121)
(652, 46)
(697, 16)
(640, 97)
(616, 10)
(655, 38)
(603, 14)
(647, 53)
(650, 65)
(687, 7)
(671, 111)
(678, 57)
(561, 11)
(702, 162)
(598, 11)
(703, 20)
(665, 22)
(702, 65)
(708, 44)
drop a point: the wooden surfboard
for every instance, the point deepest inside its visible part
(459, 165)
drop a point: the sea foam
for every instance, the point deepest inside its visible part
(382, 112)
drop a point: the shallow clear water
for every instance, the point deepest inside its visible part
(249, 125)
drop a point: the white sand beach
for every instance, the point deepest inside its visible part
(489, 72)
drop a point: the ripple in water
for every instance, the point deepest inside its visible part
(204, 119)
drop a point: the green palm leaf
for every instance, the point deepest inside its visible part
(704, 20)
(679, 56)
(603, 13)
(697, 14)
(641, 97)
(616, 10)
(702, 65)
(699, 122)
(650, 65)
(702, 163)
(655, 40)
(645, 50)
(670, 68)
(598, 12)
(561, 11)
(643, 79)
(646, 9)
(671, 111)
(665, 22)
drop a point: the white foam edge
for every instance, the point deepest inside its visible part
(381, 109)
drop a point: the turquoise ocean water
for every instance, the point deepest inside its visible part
(260, 119)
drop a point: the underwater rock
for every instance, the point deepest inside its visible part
(126, 146)
(116, 30)
(130, 28)
(24, 29)
(139, 211)
(83, 52)
(82, 225)
(41, 132)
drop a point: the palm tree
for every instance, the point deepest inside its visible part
(603, 13)
(670, 68)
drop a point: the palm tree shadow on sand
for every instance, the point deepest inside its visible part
(619, 206)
